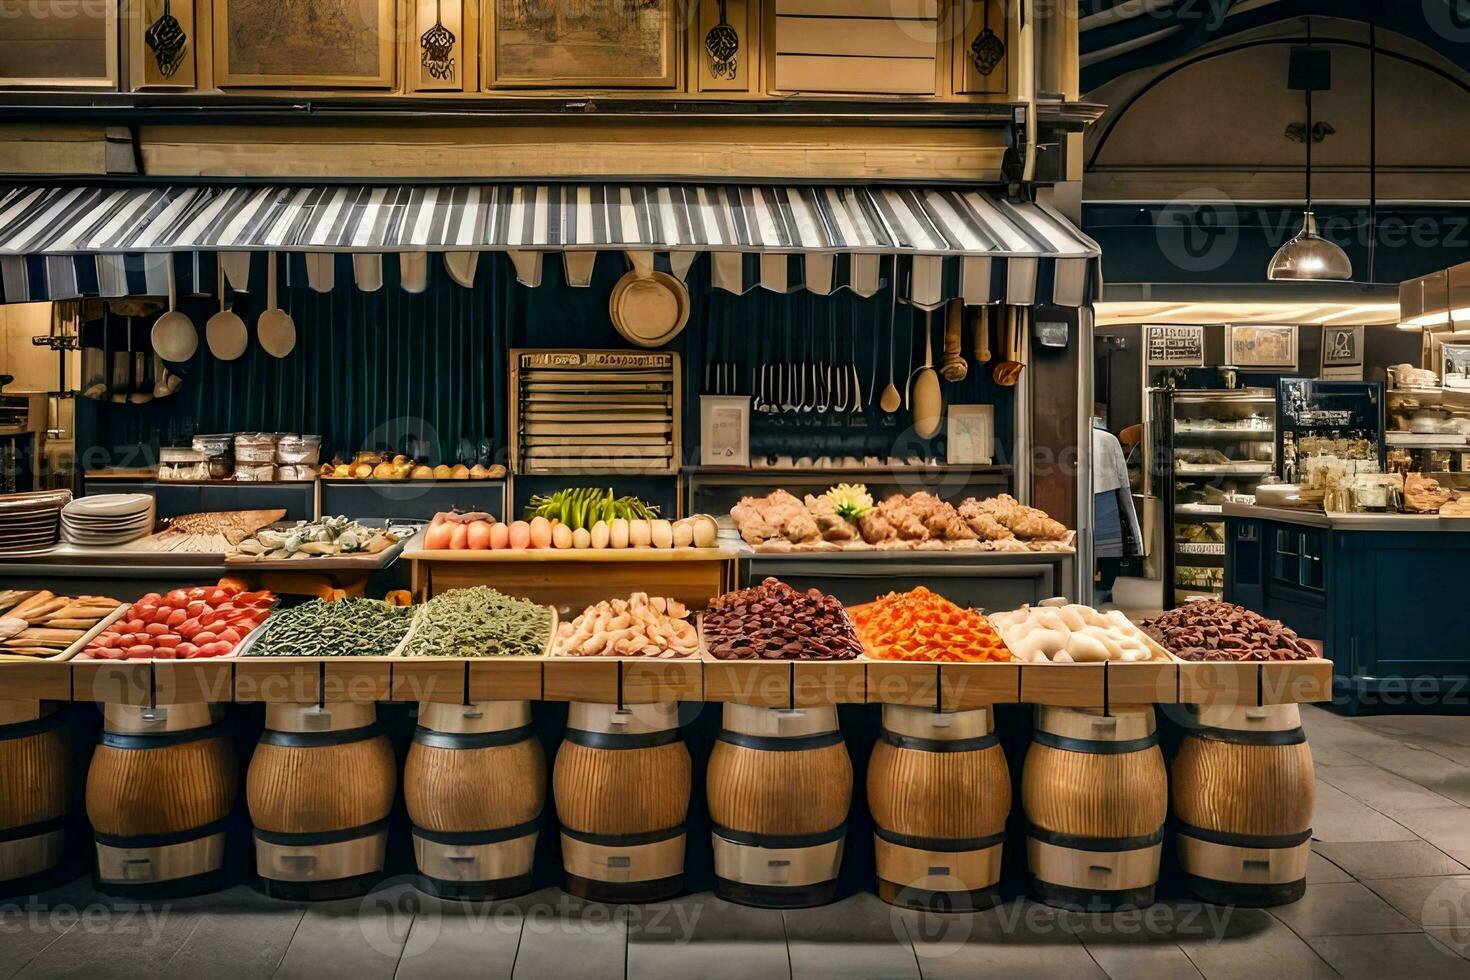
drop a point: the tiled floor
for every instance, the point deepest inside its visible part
(1389, 897)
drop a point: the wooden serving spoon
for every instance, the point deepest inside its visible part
(889, 401)
(954, 367)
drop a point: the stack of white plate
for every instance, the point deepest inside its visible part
(29, 522)
(108, 519)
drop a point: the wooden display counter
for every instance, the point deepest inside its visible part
(776, 684)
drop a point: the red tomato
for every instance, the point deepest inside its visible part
(141, 651)
(155, 629)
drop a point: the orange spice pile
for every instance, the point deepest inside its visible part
(919, 625)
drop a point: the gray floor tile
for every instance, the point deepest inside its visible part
(239, 927)
(1447, 828)
(1321, 871)
(1339, 817)
(1390, 859)
(1342, 910)
(451, 940)
(108, 938)
(1376, 957)
(565, 939)
(353, 939)
(1252, 944)
(702, 936)
(1457, 940)
(1439, 903)
(1393, 796)
(1018, 940)
(861, 936)
(1145, 942)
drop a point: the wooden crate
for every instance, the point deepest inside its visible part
(658, 681)
(573, 580)
(903, 682)
(112, 681)
(1296, 681)
(506, 679)
(357, 679)
(593, 679)
(278, 680)
(440, 680)
(1219, 683)
(979, 685)
(42, 680)
(193, 681)
(1064, 685)
(1150, 682)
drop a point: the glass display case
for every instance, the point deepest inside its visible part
(1428, 431)
(1342, 419)
(1211, 445)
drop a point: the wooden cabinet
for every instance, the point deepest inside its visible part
(855, 47)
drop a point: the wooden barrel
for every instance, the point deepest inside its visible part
(779, 787)
(1095, 793)
(475, 785)
(320, 787)
(1244, 791)
(159, 795)
(939, 792)
(621, 783)
(35, 774)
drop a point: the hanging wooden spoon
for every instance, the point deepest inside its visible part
(954, 366)
(927, 401)
(890, 401)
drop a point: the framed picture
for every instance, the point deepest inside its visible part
(58, 44)
(1263, 348)
(1171, 346)
(320, 44)
(1342, 353)
(1454, 366)
(724, 430)
(581, 44)
(970, 435)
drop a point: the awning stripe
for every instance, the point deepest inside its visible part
(121, 224)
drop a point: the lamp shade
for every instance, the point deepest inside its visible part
(1310, 256)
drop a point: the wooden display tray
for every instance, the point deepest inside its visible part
(785, 683)
(574, 579)
(1253, 683)
(623, 680)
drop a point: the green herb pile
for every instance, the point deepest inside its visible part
(347, 628)
(480, 622)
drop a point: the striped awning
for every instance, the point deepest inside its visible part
(837, 234)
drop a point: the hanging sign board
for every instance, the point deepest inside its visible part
(1166, 346)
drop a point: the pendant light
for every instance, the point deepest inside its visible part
(1308, 255)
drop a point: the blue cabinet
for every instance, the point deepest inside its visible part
(1390, 607)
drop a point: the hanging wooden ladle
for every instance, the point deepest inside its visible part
(954, 367)
(1008, 371)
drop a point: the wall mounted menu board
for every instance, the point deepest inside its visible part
(594, 411)
(1166, 346)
